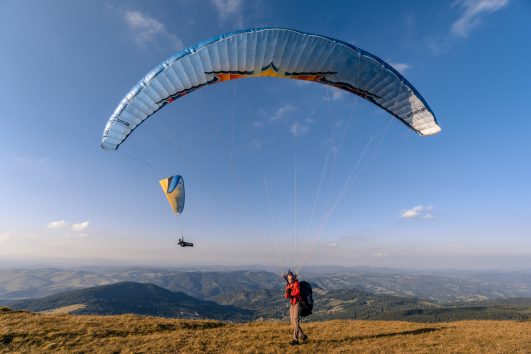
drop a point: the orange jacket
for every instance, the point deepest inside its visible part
(293, 292)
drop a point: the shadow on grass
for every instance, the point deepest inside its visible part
(6, 339)
(380, 335)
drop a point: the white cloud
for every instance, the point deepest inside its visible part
(298, 129)
(419, 211)
(283, 111)
(145, 29)
(229, 9)
(473, 10)
(80, 226)
(60, 224)
(332, 244)
(400, 67)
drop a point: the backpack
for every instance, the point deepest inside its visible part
(306, 298)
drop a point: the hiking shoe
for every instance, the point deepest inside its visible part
(304, 337)
(294, 342)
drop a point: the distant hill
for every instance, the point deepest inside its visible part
(30, 283)
(223, 286)
(362, 305)
(205, 284)
(137, 298)
(244, 305)
(443, 287)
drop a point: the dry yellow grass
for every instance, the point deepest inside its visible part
(22, 332)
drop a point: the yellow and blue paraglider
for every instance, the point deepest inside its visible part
(173, 188)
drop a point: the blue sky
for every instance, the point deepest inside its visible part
(458, 199)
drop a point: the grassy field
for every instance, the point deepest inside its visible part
(22, 332)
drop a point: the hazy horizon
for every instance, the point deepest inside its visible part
(70, 263)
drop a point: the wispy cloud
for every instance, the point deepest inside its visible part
(471, 16)
(428, 216)
(283, 111)
(229, 10)
(31, 161)
(296, 127)
(473, 11)
(146, 29)
(400, 67)
(419, 211)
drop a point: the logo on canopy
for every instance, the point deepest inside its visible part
(271, 70)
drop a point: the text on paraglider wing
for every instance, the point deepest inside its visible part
(123, 122)
(415, 112)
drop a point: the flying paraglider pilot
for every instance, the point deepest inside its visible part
(183, 243)
(293, 293)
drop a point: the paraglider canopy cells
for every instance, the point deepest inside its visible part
(270, 52)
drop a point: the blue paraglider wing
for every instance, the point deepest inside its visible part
(270, 52)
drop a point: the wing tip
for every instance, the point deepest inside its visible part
(432, 130)
(108, 147)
